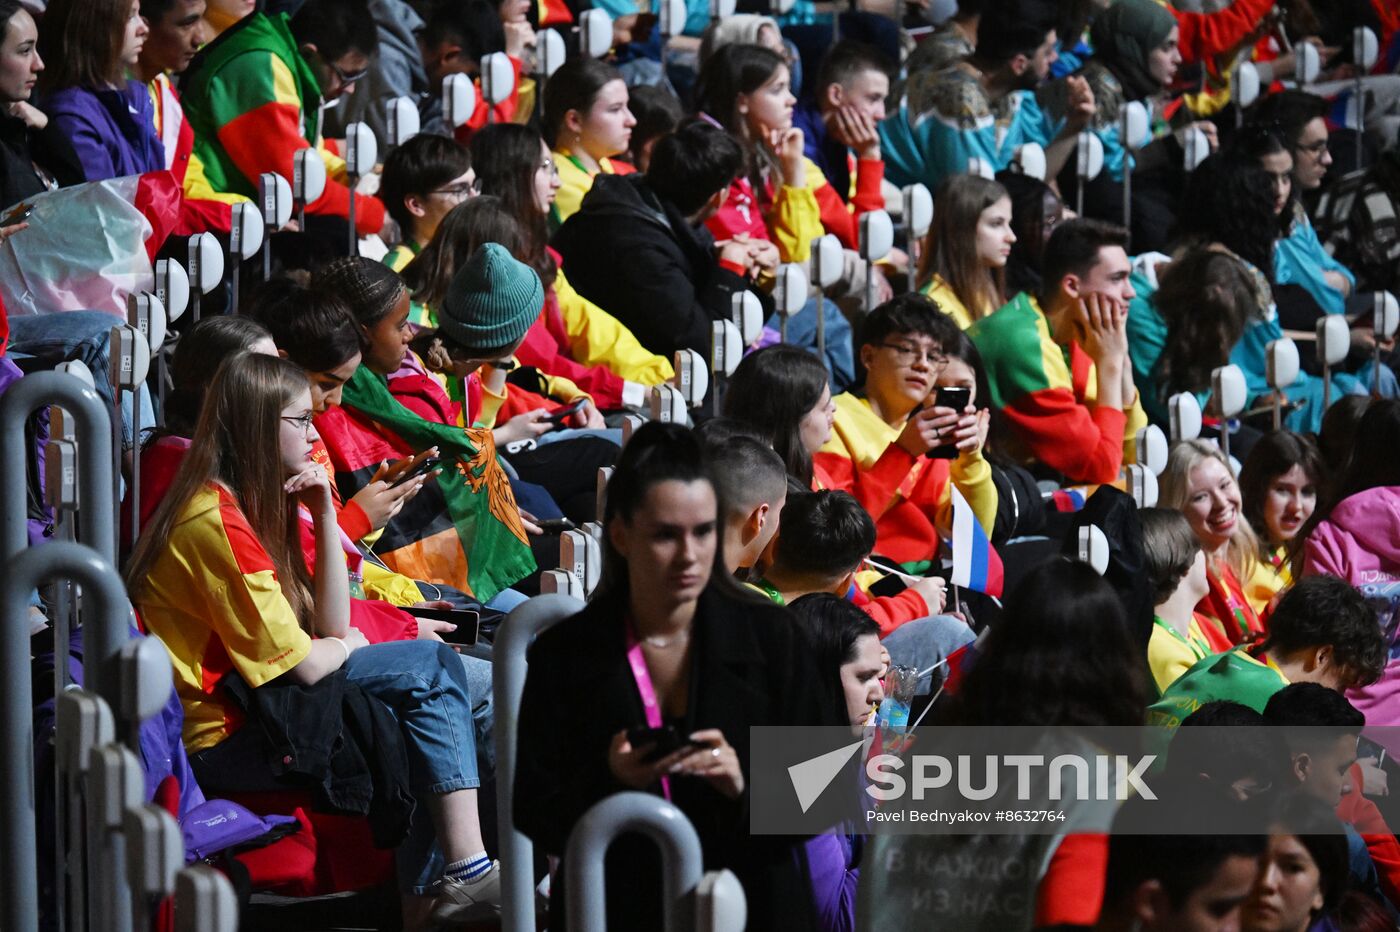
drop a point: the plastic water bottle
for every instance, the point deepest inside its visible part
(900, 683)
(357, 585)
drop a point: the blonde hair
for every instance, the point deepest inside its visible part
(236, 445)
(1174, 488)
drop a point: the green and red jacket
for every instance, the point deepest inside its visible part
(1047, 392)
(254, 102)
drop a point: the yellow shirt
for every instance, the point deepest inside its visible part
(597, 338)
(1169, 654)
(1267, 579)
(215, 603)
(948, 302)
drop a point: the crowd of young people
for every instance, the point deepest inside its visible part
(362, 440)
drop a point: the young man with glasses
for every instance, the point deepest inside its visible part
(423, 180)
(882, 431)
(254, 96)
(1057, 364)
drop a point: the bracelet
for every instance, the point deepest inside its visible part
(343, 646)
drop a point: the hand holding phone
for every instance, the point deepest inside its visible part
(425, 466)
(956, 398)
(468, 623)
(560, 417)
(19, 214)
(663, 742)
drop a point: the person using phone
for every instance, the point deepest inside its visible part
(668, 622)
(871, 443)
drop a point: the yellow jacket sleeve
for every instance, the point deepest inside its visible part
(795, 218)
(1135, 419)
(972, 474)
(384, 585)
(599, 339)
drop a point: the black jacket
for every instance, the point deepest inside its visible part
(21, 148)
(641, 261)
(330, 737)
(748, 668)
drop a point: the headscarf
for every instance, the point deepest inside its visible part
(1124, 35)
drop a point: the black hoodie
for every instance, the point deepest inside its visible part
(638, 258)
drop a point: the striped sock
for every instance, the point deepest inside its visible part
(469, 868)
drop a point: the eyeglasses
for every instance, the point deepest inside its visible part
(462, 191)
(1314, 149)
(907, 354)
(548, 166)
(301, 420)
(345, 78)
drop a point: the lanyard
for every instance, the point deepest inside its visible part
(650, 706)
(1183, 638)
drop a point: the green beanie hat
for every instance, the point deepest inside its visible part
(492, 300)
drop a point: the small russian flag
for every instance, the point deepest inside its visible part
(975, 562)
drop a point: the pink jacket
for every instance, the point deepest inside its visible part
(1360, 542)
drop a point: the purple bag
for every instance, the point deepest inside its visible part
(220, 824)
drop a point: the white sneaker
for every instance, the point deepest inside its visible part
(466, 900)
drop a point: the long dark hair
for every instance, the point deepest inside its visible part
(772, 390)
(1373, 464)
(199, 352)
(1257, 142)
(1317, 829)
(1272, 456)
(1207, 299)
(1028, 223)
(1062, 655)
(731, 71)
(81, 41)
(1232, 203)
(656, 453)
(506, 156)
(575, 86)
(481, 220)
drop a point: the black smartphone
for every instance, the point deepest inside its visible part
(19, 214)
(422, 469)
(563, 414)
(662, 741)
(957, 398)
(556, 525)
(468, 623)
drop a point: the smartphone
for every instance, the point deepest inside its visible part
(19, 214)
(662, 741)
(468, 623)
(556, 525)
(422, 469)
(563, 414)
(957, 398)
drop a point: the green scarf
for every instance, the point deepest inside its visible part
(477, 490)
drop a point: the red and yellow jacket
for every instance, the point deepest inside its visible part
(908, 496)
(1047, 394)
(253, 103)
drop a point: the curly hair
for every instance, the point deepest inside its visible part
(1207, 299)
(1232, 202)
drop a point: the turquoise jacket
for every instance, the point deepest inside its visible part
(1299, 259)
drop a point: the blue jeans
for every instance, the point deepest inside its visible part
(802, 331)
(613, 434)
(923, 642)
(39, 342)
(426, 686)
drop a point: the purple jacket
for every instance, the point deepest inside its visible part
(1360, 542)
(112, 130)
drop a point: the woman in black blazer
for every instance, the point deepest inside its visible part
(717, 660)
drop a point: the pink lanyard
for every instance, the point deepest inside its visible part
(650, 706)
